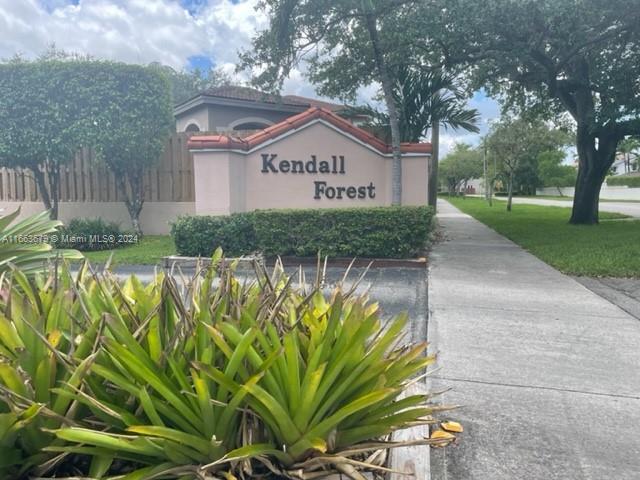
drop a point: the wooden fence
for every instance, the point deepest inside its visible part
(84, 180)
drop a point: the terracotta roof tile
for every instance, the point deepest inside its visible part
(295, 122)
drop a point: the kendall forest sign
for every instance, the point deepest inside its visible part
(336, 166)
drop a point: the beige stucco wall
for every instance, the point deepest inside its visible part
(234, 181)
(155, 216)
(199, 116)
(211, 118)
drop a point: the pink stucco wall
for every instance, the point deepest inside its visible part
(233, 181)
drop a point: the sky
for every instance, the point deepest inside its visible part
(179, 33)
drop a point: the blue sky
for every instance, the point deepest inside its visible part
(184, 34)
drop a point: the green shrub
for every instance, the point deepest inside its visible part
(632, 181)
(90, 235)
(382, 232)
(148, 381)
(197, 235)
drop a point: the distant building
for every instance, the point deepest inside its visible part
(243, 110)
(624, 164)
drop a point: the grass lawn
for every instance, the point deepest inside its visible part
(609, 249)
(148, 251)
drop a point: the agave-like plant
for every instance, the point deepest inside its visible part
(333, 394)
(155, 409)
(47, 342)
(24, 244)
(207, 377)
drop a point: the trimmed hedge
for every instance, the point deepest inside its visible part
(624, 180)
(380, 232)
(90, 235)
(198, 235)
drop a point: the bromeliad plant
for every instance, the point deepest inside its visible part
(47, 343)
(23, 244)
(216, 376)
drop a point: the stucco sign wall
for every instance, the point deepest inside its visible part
(312, 160)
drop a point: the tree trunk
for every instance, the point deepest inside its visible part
(49, 186)
(392, 109)
(594, 163)
(54, 188)
(510, 191)
(432, 190)
(133, 197)
(586, 198)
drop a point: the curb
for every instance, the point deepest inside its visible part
(246, 262)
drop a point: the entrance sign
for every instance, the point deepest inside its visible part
(312, 160)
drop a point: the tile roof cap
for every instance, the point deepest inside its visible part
(226, 142)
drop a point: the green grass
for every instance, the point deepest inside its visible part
(611, 248)
(148, 251)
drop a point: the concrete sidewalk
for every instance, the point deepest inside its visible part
(548, 372)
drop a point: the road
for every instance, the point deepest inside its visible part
(626, 208)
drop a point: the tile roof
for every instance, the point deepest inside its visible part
(236, 92)
(297, 121)
(312, 102)
(250, 94)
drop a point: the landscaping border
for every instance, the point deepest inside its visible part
(191, 262)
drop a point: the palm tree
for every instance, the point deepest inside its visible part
(629, 148)
(427, 99)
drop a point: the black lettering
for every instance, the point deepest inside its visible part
(312, 165)
(297, 166)
(324, 167)
(372, 190)
(334, 160)
(267, 163)
(319, 189)
(340, 191)
(330, 192)
(342, 165)
(362, 192)
(284, 166)
(352, 192)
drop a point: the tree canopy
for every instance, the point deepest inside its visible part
(553, 173)
(45, 118)
(517, 144)
(55, 105)
(575, 57)
(185, 84)
(462, 164)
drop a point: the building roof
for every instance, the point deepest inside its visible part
(246, 94)
(295, 122)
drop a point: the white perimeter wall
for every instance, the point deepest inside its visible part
(607, 193)
(155, 216)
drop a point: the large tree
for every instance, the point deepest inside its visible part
(347, 44)
(43, 118)
(134, 118)
(580, 57)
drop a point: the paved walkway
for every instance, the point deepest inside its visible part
(548, 372)
(627, 208)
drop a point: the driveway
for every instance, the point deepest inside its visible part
(627, 208)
